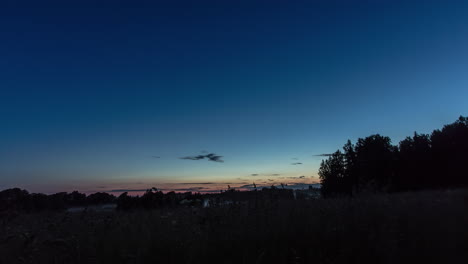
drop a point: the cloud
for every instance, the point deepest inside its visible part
(211, 157)
(300, 177)
(199, 157)
(295, 158)
(214, 157)
(323, 155)
(296, 163)
(155, 157)
(129, 190)
(197, 183)
(192, 189)
(257, 174)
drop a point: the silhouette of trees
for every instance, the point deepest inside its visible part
(152, 199)
(419, 162)
(100, 198)
(450, 153)
(77, 199)
(125, 202)
(413, 168)
(332, 173)
(375, 159)
(16, 199)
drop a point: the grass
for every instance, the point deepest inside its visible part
(420, 227)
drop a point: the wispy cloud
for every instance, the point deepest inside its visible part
(296, 163)
(129, 190)
(192, 189)
(299, 177)
(323, 155)
(198, 157)
(258, 174)
(197, 183)
(211, 157)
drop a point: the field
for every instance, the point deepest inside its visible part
(419, 227)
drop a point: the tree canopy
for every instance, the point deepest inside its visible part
(422, 161)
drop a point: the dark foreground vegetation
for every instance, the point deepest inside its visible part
(417, 227)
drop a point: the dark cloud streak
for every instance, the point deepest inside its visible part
(129, 190)
(323, 155)
(211, 157)
(257, 174)
(197, 183)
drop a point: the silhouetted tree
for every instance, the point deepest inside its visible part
(351, 172)
(375, 162)
(332, 174)
(125, 202)
(14, 199)
(152, 199)
(40, 201)
(58, 201)
(76, 199)
(414, 167)
(170, 199)
(100, 198)
(450, 153)
(419, 162)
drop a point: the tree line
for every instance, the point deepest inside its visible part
(16, 199)
(423, 161)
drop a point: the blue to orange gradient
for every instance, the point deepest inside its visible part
(109, 98)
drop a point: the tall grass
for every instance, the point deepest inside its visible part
(420, 227)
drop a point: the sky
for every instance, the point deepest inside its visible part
(109, 96)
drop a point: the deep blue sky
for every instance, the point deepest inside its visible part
(90, 92)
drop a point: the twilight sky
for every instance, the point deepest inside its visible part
(91, 92)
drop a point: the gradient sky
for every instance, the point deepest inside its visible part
(90, 92)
